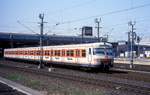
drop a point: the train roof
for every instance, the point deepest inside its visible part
(70, 45)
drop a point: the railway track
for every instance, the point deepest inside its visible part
(109, 82)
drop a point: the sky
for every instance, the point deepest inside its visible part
(67, 17)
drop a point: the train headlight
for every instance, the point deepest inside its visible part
(97, 60)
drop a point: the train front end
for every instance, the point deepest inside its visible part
(103, 56)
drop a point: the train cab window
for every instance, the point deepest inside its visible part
(83, 53)
(109, 51)
(98, 51)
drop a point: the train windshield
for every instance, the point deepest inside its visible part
(102, 51)
(109, 51)
(98, 51)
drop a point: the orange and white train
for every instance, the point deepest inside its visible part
(85, 55)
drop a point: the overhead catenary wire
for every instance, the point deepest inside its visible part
(119, 24)
(125, 23)
(26, 27)
(108, 13)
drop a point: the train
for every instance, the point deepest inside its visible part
(91, 55)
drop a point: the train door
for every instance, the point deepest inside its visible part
(63, 55)
(89, 55)
(77, 55)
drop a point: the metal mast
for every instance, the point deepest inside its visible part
(97, 21)
(41, 16)
(132, 38)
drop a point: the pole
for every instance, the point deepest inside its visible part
(129, 44)
(41, 16)
(11, 40)
(98, 31)
(98, 28)
(138, 41)
(132, 42)
(131, 66)
(82, 37)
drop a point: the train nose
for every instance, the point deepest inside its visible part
(106, 57)
(104, 61)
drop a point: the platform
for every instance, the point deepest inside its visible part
(138, 64)
(8, 87)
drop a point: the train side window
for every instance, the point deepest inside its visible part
(38, 52)
(63, 52)
(31, 52)
(54, 53)
(20, 52)
(28, 52)
(25, 52)
(71, 53)
(68, 52)
(83, 53)
(46, 53)
(16, 52)
(58, 52)
(51, 52)
(77, 53)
